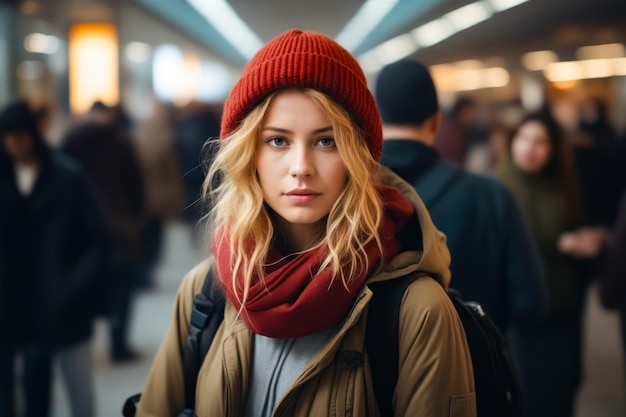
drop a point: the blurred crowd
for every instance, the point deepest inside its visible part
(81, 233)
(82, 227)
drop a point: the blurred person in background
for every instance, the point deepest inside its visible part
(163, 184)
(103, 145)
(541, 175)
(597, 160)
(608, 247)
(198, 123)
(52, 252)
(495, 260)
(453, 137)
(488, 156)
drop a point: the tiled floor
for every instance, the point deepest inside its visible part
(602, 394)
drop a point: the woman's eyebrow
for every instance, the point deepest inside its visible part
(281, 130)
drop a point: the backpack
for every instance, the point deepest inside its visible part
(495, 375)
(206, 315)
(495, 372)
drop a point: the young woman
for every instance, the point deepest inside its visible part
(303, 220)
(541, 174)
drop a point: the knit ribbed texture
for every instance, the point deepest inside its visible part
(305, 59)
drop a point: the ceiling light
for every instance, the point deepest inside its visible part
(433, 32)
(564, 71)
(40, 43)
(619, 66)
(597, 68)
(395, 49)
(226, 21)
(470, 15)
(495, 77)
(502, 5)
(366, 18)
(609, 50)
(168, 71)
(538, 60)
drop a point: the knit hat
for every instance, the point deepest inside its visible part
(305, 59)
(405, 93)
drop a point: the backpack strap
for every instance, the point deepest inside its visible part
(206, 315)
(381, 338)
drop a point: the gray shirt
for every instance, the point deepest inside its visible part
(276, 363)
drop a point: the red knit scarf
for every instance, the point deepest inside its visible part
(291, 301)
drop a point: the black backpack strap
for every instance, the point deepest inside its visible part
(206, 315)
(381, 338)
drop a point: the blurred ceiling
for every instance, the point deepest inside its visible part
(560, 25)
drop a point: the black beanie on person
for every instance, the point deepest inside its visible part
(405, 93)
(19, 116)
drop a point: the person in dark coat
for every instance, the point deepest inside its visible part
(104, 147)
(494, 259)
(198, 125)
(52, 250)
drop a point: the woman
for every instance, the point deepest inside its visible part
(541, 175)
(52, 249)
(303, 220)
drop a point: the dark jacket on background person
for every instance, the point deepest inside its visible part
(52, 251)
(612, 276)
(494, 260)
(109, 158)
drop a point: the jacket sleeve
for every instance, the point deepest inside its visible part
(525, 273)
(435, 378)
(164, 394)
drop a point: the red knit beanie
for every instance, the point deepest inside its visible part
(305, 59)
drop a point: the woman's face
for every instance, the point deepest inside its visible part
(531, 148)
(298, 164)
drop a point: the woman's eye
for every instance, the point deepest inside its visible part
(326, 142)
(277, 141)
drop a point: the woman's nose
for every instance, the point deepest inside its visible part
(301, 164)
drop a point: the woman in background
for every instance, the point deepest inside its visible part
(541, 174)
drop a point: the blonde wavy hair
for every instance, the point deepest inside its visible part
(233, 192)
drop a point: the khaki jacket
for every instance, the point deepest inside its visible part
(435, 370)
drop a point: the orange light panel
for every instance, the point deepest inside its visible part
(93, 66)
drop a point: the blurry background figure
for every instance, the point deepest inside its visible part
(52, 254)
(495, 260)
(103, 145)
(453, 138)
(198, 123)
(541, 175)
(488, 156)
(597, 163)
(164, 192)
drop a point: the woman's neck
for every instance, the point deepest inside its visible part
(294, 238)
